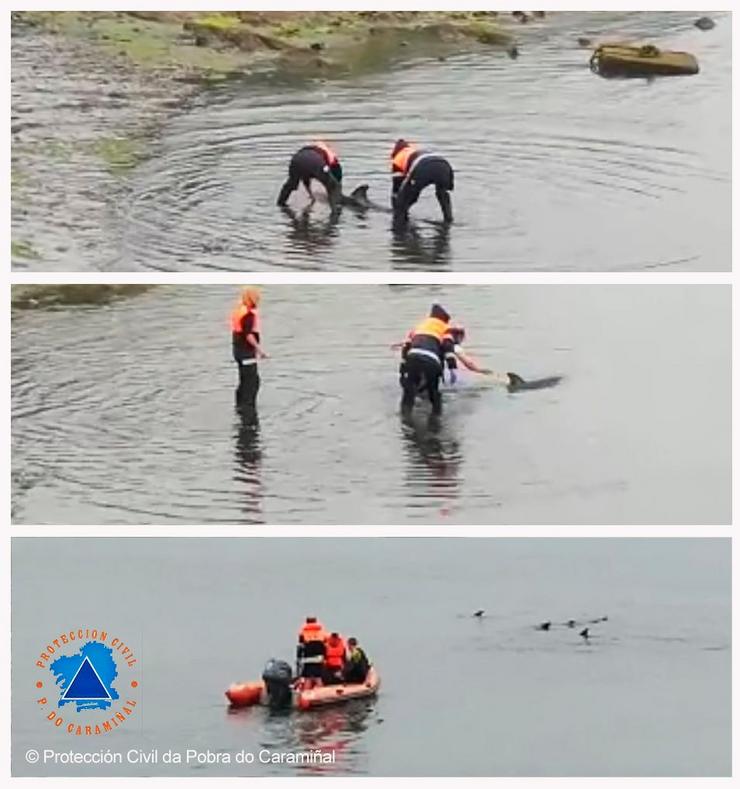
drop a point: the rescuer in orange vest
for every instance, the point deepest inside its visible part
(316, 161)
(311, 652)
(428, 347)
(412, 170)
(334, 660)
(245, 341)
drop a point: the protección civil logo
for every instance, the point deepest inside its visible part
(89, 683)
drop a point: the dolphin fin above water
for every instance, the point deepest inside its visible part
(518, 384)
(358, 198)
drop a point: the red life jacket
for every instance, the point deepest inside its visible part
(331, 157)
(237, 316)
(335, 651)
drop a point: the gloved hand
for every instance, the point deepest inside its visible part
(453, 377)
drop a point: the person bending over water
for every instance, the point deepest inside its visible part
(314, 162)
(425, 352)
(412, 170)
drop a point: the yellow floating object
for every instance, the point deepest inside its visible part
(618, 60)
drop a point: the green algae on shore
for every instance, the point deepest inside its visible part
(214, 44)
(49, 296)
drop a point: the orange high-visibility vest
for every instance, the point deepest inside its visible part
(400, 162)
(334, 654)
(238, 315)
(312, 631)
(434, 327)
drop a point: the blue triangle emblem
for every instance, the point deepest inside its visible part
(86, 684)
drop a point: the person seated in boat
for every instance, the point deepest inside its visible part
(334, 660)
(358, 665)
(315, 162)
(311, 653)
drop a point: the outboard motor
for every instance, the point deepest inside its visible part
(278, 679)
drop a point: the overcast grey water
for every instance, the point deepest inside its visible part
(123, 412)
(556, 167)
(647, 694)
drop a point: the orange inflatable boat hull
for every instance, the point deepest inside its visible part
(248, 694)
(335, 694)
(245, 694)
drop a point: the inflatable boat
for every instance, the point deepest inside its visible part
(619, 60)
(278, 690)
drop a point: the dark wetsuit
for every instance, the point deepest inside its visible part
(423, 169)
(311, 656)
(422, 370)
(357, 666)
(312, 162)
(245, 355)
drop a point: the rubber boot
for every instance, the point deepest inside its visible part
(285, 192)
(445, 203)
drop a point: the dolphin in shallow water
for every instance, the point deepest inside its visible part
(358, 198)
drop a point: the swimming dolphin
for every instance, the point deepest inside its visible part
(584, 634)
(479, 613)
(544, 626)
(518, 384)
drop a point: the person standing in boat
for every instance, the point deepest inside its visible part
(358, 665)
(336, 656)
(247, 351)
(311, 653)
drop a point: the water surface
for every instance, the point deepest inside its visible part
(556, 167)
(649, 694)
(123, 412)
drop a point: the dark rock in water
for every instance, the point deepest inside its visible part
(513, 51)
(538, 14)
(705, 23)
(584, 42)
(317, 46)
(544, 626)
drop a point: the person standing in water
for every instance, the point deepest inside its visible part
(247, 351)
(427, 349)
(314, 162)
(412, 170)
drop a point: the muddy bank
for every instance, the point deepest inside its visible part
(27, 297)
(215, 45)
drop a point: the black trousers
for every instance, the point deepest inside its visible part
(246, 391)
(421, 371)
(434, 171)
(306, 165)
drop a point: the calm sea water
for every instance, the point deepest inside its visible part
(649, 694)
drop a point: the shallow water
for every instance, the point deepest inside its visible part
(649, 694)
(129, 416)
(556, 167)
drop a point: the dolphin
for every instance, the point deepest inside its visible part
(358, 199)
